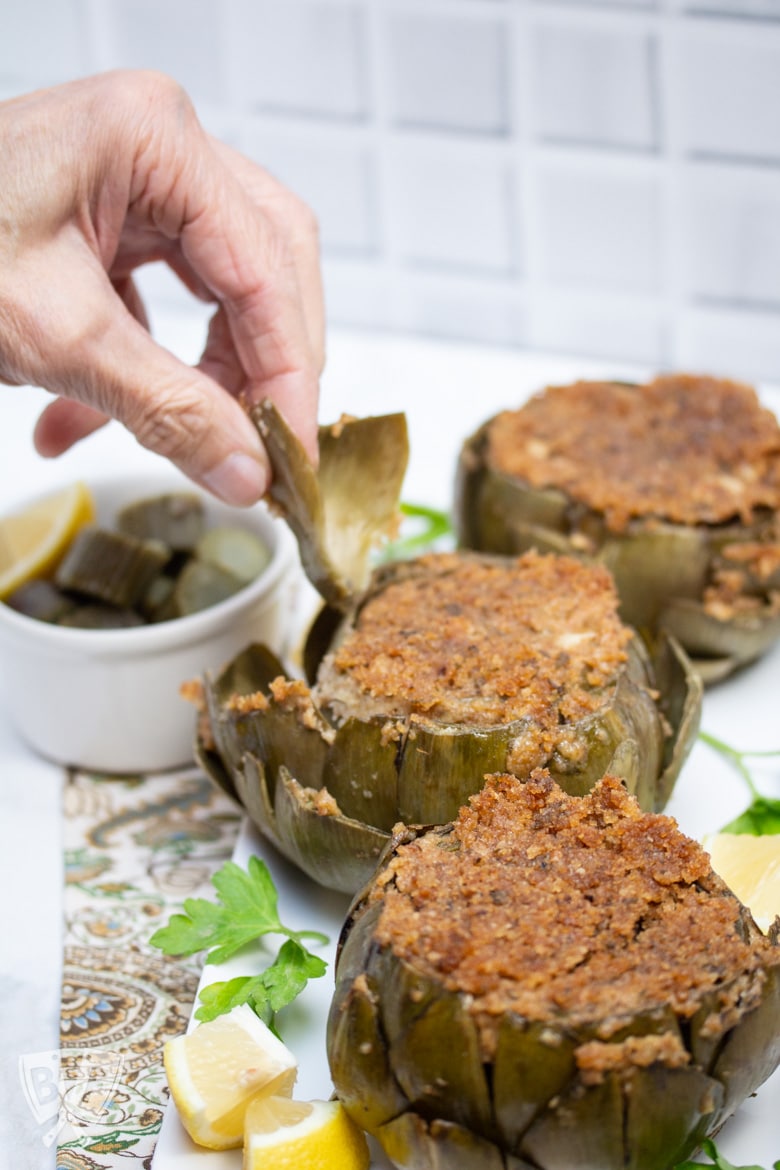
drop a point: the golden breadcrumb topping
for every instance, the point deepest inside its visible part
(569, 908)
(460, 638)
(684, 448)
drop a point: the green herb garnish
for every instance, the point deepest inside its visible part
(245, 911)
(717, 1159)
(762, 816)
(431, 527)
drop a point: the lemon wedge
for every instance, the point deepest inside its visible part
(281, 1134)
(216, 1069)
(750, 866)
(33, 540)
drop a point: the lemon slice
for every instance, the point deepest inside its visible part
(281, 1134)
(33, 540)
(750, 866)
(215, 1070)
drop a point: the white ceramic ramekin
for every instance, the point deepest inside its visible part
(109, 700)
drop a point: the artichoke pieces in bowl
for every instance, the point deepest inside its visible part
(674, 485)
(550, 982)
(447, 668)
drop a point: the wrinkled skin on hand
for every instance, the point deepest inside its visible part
(101, 176)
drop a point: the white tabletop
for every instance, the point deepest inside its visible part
(446, 390)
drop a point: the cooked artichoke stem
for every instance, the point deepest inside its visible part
(415, 1144)
(41, 600)
(177, 519)
(341, 511)
(96, 616)
(201, 585)
(237, 551)
(110, 566)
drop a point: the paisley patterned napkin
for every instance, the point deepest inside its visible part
(135, 848)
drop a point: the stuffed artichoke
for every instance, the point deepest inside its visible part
(673, 485)
(447, 667)
(550, 982)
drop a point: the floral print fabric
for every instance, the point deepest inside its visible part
(135, 848)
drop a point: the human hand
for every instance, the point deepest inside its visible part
(101, 176)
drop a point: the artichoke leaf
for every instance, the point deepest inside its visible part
(342, 510)
(254, 794)
(740, 639)
(370, 1092)
(583, 1128)
(416, 1144)
(669, 1112)
(437, 1062)
(751, 1050)
(210, 762)
(534, 1062)
(360, 771)
(235, 732)
(680, 686)
(333, 849)
(439, 765)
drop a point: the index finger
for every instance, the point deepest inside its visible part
(242, 258)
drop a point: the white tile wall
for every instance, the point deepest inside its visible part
(597, 176)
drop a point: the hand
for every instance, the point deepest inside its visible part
(101, 176)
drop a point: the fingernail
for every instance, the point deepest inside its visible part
(238, 480)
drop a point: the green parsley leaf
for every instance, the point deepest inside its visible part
(717, 1159)
(268, 992)
(429, 525)
(247, 909)
(760, 819)
(762, 816)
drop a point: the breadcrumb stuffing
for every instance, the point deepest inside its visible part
(465, 639)
(569, 909)
(682, 448)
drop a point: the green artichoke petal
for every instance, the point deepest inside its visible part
(341, 510)
(650, 566)
(334, 850)
(416, 1144)
(681, 691)
(360, 771)
(432, 1041)
(359, 1062)
(441, 767)
(583, 1127)
(669, 1112)
(235, 733)
(740, 639)
(254, 794)
(534, 1062)
(751, 1050)
(210, 762)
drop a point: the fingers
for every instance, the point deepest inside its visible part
(63, 423)
(96, 354)
(296, 222)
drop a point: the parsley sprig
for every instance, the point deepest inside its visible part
(246, 909)
(762, 816)
(429, 526)
(717, 1160)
